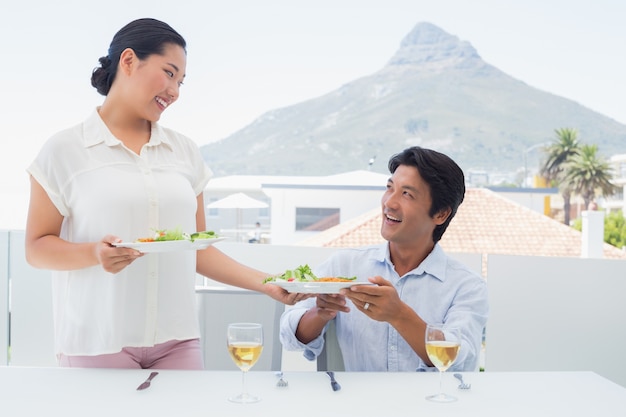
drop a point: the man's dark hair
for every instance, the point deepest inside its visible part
(444, 177)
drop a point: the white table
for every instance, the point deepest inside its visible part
(88, 392)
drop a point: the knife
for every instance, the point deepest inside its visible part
(333, 383)
(146, 383)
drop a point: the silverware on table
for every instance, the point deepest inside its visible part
(333, 383)
(462, 385)
(281, 382)
(145, 384)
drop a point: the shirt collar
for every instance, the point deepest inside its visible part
(434, 264)
(96, 132)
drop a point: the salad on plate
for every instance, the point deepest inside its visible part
(303, 280)
(166, 235)
(170, 240)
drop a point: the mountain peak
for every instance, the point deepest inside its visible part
(427, 44)
(435, 92)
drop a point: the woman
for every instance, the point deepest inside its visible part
(116, 177)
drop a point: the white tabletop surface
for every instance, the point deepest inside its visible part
(99, 392)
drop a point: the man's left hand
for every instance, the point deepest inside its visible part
(380, 302)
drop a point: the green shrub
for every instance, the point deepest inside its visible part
(614, 228)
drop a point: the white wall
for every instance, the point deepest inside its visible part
(533, 198)
(557, 314)
(351, 204)
(32, 334)
(354, 193)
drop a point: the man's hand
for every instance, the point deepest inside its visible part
(328, 305)
(326, 308)
(380, 302)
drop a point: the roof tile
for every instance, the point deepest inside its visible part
(485, 223)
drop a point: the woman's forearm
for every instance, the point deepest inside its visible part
(213, 263)
(52, 252)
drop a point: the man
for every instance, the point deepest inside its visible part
(255, 235)
(381, 327)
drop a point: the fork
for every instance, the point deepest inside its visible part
(146, 383)
(462, 385)
(281, 382)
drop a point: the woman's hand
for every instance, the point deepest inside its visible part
(280, 294)
(114, 259)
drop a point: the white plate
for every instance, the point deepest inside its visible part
(312, 287)
(200, 244)
(169, 245)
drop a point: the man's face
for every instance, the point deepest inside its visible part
(406, 205)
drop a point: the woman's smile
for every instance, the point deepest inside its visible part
(161, 102)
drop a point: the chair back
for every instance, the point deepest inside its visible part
(219, 306)
(330, 359)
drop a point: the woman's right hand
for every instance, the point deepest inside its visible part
(114, 259)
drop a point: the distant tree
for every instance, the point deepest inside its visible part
(614, 228)
(563, 148)
(589, 175)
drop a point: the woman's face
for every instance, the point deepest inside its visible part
(156, 82)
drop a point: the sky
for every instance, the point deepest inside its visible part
(246, 57)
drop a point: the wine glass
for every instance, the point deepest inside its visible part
(245, 343)
(442, 346)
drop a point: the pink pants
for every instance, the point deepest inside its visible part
(175, 354)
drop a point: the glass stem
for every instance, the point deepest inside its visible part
(244, 393)
(441, 383)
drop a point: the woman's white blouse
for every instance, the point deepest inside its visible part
(101, 187)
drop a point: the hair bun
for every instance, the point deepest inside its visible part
(105, 62)
(100, 76)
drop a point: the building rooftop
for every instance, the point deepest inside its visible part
(485, 223)
(359, 178)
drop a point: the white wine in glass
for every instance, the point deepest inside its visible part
(442, 346)
(245, 344)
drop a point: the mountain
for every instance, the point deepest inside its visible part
(436, 92)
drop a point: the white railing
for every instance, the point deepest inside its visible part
(546, 313)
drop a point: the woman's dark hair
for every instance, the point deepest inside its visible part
(443, 176)
(144, 36)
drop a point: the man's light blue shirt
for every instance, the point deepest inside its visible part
(440, 289)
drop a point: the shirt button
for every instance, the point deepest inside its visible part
(393, 348)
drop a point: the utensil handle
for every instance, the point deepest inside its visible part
(333, 383)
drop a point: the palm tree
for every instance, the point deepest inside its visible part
(588, 174)
(564, 147)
